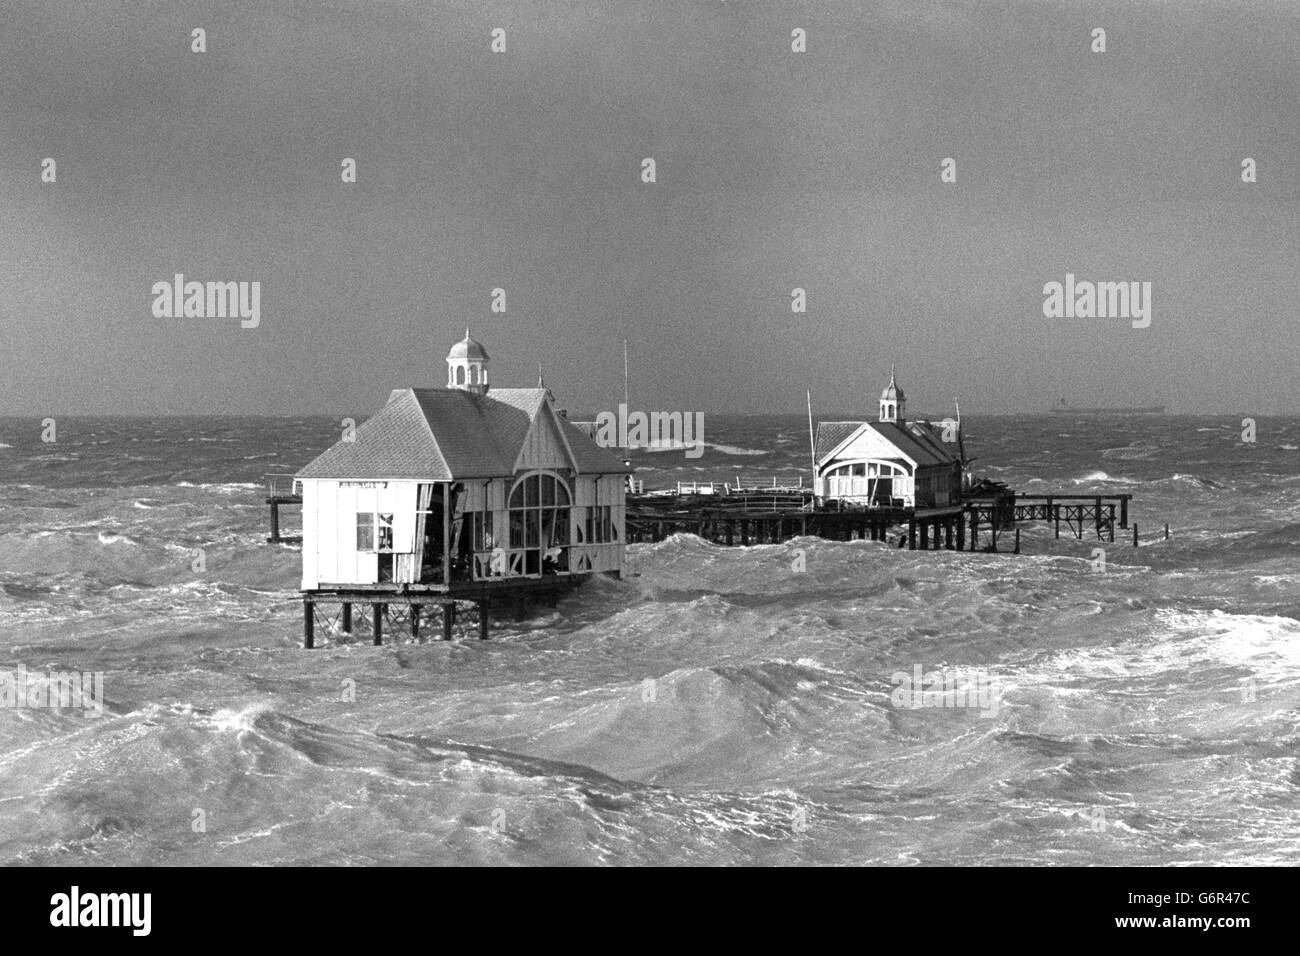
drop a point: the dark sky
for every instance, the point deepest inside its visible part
(775, 170)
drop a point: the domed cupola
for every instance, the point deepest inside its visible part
(467, 366)
(893, 404)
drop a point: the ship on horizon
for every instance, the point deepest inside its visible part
(1063, 408)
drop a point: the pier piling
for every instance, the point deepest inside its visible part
(308, 625)
(379, 624)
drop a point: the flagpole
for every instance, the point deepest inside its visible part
(812, 443)
(627, 448)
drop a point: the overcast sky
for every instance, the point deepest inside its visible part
(521, 170)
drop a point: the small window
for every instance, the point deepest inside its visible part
(365, 531)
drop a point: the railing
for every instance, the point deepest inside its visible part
(1045, 498)
(280, 486)
(762, 501)
(695, 488)
(502, 563)
(740, 483)
(862, 487)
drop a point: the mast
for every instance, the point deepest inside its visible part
(627, 448)
(961, 445)
(961, 450)
(812, 443)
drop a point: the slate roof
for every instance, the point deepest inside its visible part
(831, 434)
(920, 441)
(449, 434)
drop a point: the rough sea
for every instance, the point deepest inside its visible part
(719, 706)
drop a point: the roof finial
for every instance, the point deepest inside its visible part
(540, 383)
(891, 373)
(467, 331)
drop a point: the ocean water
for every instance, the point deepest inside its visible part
(717, 707)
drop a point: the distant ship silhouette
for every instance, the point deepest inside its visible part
(1063, 408)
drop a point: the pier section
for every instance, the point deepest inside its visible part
(772, 515)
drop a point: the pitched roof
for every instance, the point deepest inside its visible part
(932, 437)
(830, 435)
(919, 441)
(446, 434)
(591, 458)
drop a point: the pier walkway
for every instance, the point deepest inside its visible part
(770, 516)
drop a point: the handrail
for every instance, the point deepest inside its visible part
(1104, 497)
(274, 485)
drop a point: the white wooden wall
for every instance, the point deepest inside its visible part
(543, 448)
(329, 516)
(329, 528)
(868, 444)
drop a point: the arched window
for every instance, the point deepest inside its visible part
(473, 374)
(460, 375)
(539, 522)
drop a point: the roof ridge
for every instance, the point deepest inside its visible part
(437, 448)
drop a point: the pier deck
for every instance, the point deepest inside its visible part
(771, 516)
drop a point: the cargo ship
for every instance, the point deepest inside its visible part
(1062, 408)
